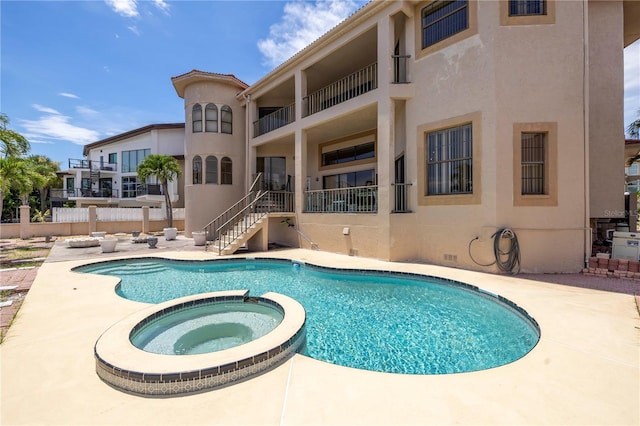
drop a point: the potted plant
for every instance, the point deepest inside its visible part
(199, 238)
(165, 169)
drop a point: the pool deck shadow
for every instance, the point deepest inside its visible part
(584, 370)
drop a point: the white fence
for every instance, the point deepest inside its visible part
(106, 214)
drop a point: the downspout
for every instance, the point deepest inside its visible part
(585, 113)
(247, 167)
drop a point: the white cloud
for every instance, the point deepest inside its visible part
(162, 5)
(87, 112)
(126, 8)
(631, 83)
(57, 127)
(69, 95)
(134, 30)
(45, 109)
(301, 24)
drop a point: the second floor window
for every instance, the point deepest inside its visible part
(226, 119)
(442, 19)
(450, 160)
(527, 7)
(211, 118)
(131, 159)
(196, 118)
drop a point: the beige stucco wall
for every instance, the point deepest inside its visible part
(204, 202)
(605, 100)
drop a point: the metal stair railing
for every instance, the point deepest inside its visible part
(217, 227)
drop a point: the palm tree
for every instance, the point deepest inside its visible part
(633, 129)
(15, 173)
(12, 144)
(46, 168)
(165, 169)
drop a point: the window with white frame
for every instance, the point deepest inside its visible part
(129, 186)
(450, 161)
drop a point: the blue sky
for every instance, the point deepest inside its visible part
(74, 72)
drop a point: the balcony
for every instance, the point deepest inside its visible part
(400, 69)
(92, 165)
(349, 87)
(275, 120)
(59, 194)
(360, 199)
(149, 189)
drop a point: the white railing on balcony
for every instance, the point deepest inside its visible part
(359, 199)
(275, 120)
(356, 84)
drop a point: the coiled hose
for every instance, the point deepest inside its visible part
(507, 261)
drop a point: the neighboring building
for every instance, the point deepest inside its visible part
(107, 175)
(632, 172)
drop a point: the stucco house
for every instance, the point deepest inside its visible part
(415, 131)
(107, 177)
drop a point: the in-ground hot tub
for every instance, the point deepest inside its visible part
(199, 342)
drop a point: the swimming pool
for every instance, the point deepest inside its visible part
(372, 320)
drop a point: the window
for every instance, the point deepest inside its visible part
(349, 180)
(442, 19)
(532, 160)
(352, 153)
(129, 186)
(211, 118)
(226, 171)
(527, 12)
(196, 118)
(450, 161)
(527, 7)
(197, 170)
(227, 119)
(113, 158)
(535, 164)
(211, 164)
(131, 159)
(71, 187)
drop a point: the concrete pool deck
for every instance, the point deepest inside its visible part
(584, 370)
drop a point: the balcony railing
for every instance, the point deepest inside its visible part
(353, 85)
(401, 204)
(149, 189)
(65, 194)
(275, 120)
(359, 199)
(92, 165)
(400, 68)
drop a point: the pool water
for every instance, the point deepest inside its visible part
(206, 328)
(390, 322)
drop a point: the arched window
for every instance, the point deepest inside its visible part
(211, 164)
(197, 169)
(196, 118)
(211, 118)
(226, 171)
(227, 119)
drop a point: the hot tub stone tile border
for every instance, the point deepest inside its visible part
(205, 379)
